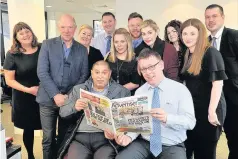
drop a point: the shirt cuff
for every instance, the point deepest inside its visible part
(133, 136)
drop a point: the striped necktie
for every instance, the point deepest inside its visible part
(155, 138)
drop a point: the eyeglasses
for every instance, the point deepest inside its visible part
(150, 68)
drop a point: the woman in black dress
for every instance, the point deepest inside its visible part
(203, 72)
(122, 60)
(20, 72)
(172, 35)
(84, 37)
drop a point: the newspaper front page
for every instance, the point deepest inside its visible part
(129, 114)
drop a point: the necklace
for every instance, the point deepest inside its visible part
(118, 70)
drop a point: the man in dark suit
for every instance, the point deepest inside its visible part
(226, 41)
(62, 64)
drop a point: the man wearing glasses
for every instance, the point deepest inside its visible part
(172, 111)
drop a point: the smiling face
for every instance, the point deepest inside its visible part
(152, 69)
(100, 75)
(214, 19)
(109, 24)
(172, 34)
(85, 36)
(149, 35)
(66, 28)
(120, 44)
(190, 37)
(24, 36)
(134, 27)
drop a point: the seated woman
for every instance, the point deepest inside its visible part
(122, 60)
(84, 37)
(168, 53)
(172, 35)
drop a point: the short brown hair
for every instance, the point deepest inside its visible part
(135, 15)
(16, 45)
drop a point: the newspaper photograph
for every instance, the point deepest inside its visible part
(129, 114)
(98, 113)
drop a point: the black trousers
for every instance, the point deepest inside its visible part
(231, 128)
(200, 148)
(91, 146)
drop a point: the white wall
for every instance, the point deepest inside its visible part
(164, 11)
(80, 18)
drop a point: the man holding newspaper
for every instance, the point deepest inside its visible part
(172, 111)
(85, 141)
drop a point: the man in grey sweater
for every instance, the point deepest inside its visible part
(85, 141)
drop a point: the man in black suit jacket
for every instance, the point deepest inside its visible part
(226, 41)
(62, 64)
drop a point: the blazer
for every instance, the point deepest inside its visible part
(50, 68)
(168, 54)
(229, 51)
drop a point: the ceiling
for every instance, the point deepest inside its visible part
(80, 6)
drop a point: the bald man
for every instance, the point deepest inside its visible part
(83, 140)
(62, 64)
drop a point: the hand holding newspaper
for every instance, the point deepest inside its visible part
(129, 114)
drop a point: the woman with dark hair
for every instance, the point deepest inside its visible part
(20, 74)
(172, 35)
(203, 72)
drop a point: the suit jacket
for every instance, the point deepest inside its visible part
(93, 56)
(168, 54)
(229, 51)
(50, 68)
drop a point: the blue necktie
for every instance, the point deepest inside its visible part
(109, 37)
(155, 138)
(214, 43)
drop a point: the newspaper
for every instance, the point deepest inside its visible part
(130, 114)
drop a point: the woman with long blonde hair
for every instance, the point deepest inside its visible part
(122, 60)
(203, 72)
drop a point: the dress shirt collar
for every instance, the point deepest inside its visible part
(161, 85)
(219, 33)
(106, 35)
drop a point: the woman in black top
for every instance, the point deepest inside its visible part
(122, 60)
(172, 35)
(20, 73)
(203, 73)
(84, 37)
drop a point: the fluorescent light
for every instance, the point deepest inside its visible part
(48, 6)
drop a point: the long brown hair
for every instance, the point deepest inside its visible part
(201, 46)
(16, 45)
(130, 54)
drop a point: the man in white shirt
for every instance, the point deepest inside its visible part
(226, 41)
(103, 40)
(172, 111)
